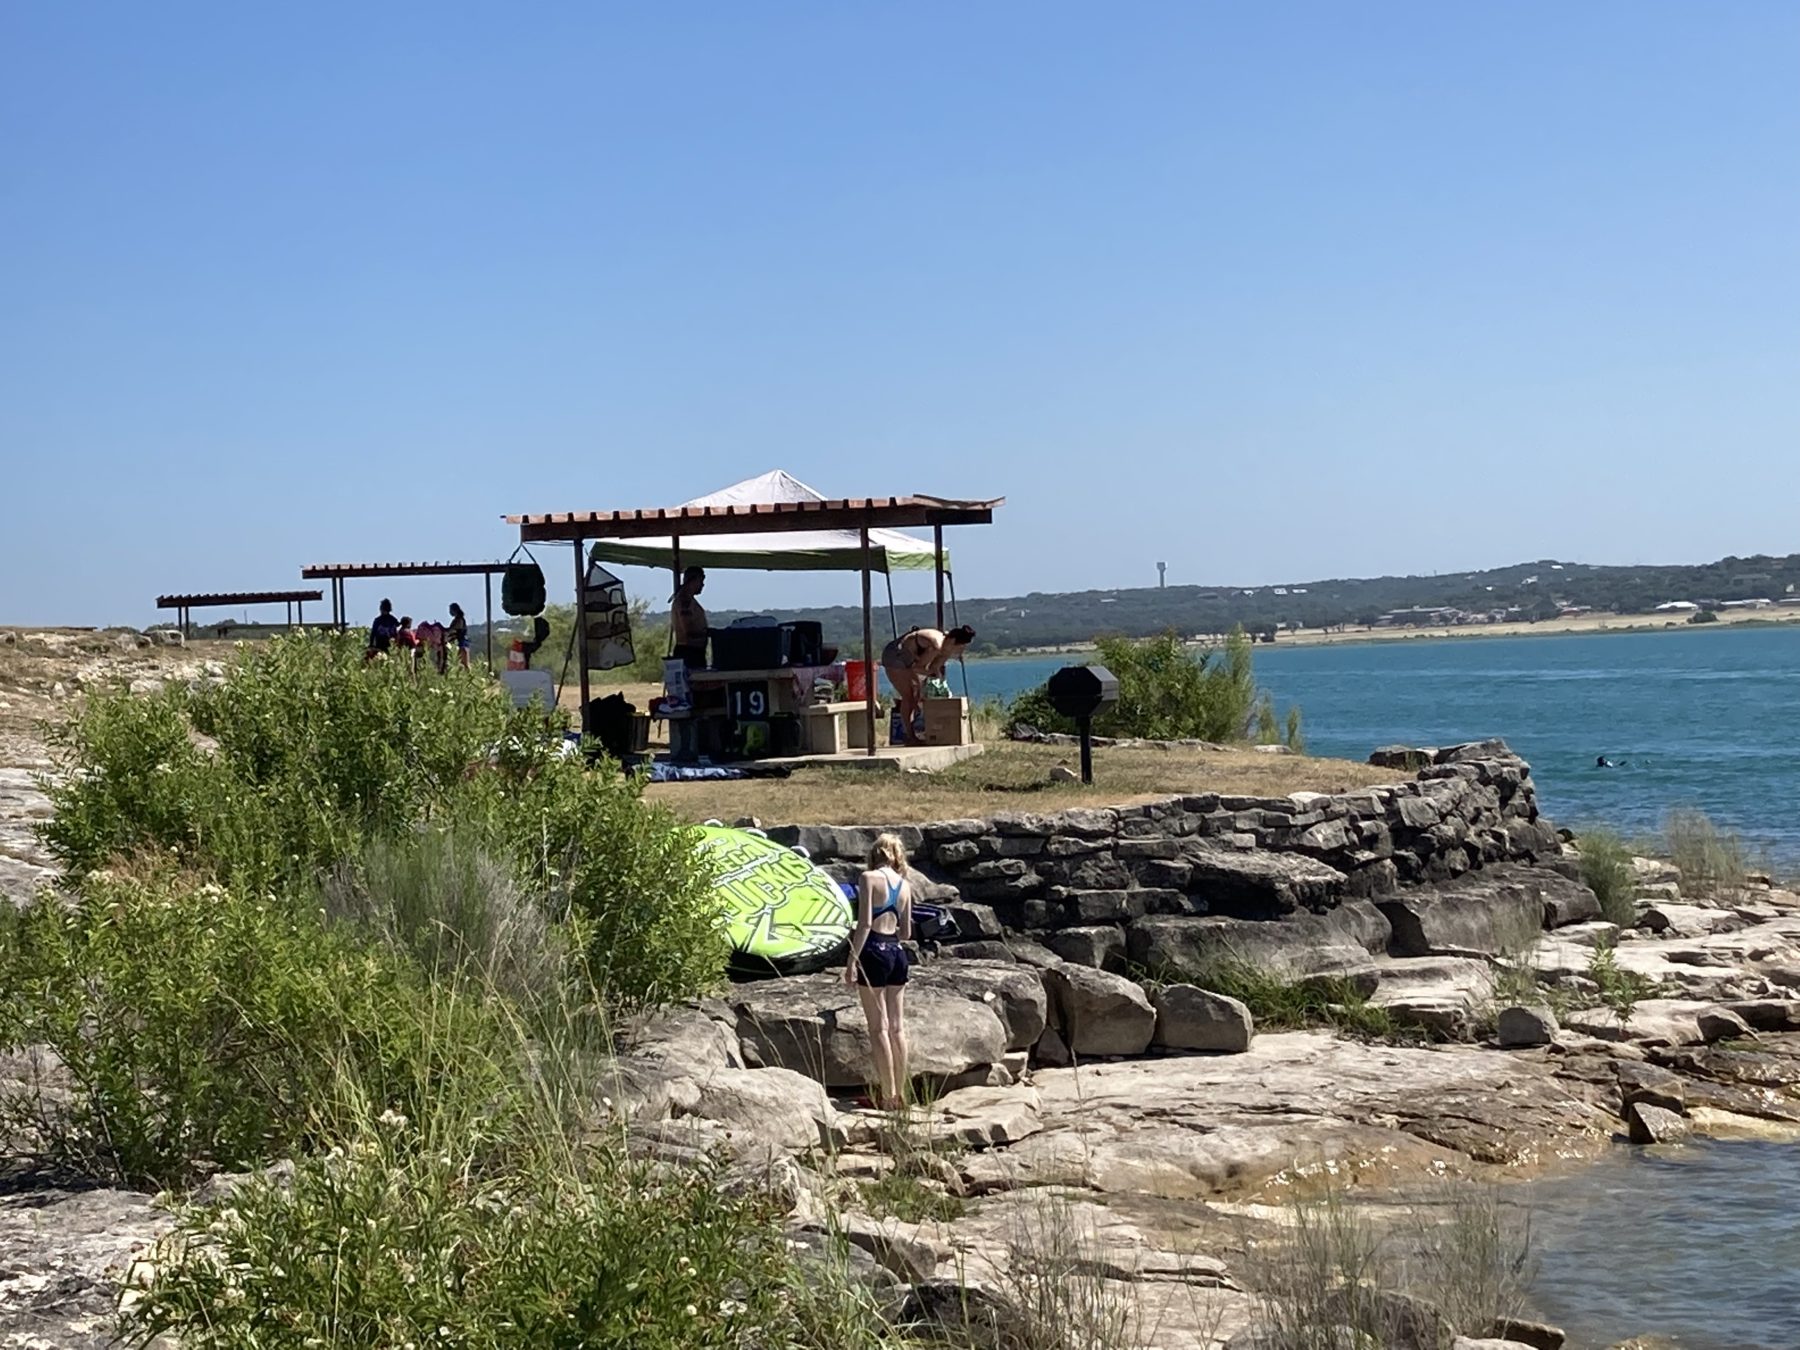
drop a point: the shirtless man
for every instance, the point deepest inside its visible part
(688, 618)
(917, 656)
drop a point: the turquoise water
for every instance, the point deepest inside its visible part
(1707, 719)
(1699, 1243)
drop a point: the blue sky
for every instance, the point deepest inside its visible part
(1272, 292)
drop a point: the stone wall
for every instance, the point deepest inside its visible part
(1176, 877)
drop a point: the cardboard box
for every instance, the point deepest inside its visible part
(947, 721)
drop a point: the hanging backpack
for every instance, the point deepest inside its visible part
(522, 591)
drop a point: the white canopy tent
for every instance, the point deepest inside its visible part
(805, 551)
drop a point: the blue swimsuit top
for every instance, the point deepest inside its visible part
(892, 904)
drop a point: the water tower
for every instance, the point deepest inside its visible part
(1162, 576)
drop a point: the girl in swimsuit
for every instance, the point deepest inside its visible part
(877, 964)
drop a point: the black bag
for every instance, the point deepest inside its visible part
(931, 924)
(522, 590)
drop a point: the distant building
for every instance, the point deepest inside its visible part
(1420, 615)
(1761, 603)
(1677, 607)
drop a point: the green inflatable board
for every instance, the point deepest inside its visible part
(781, 913)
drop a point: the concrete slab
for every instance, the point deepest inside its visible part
(886, 759)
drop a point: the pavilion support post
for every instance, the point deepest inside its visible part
(581, 635)
(961, 659)
(290, 616)
(868, 643)
(300, 613)
(893, 614)
(487, 581)
(937, 563)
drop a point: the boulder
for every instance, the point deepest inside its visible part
(1535, 1335)
(1495, 912)
(1487, 1343)
(1262, 885)
(904, 1253)
(1722, 1024)
(695, 1038)
(985, 1117)
(1653, 1021)
(1100, 945)
(1567, 902)
(1301, 944)
(1015, 993)
(1521, 1027)
(1099, 1013)
(778, 1107)
(1648, 1124)
(1768, 1014)
(1444, 994)
(1191, 1018)
(1649, 1085)
(814, 1025)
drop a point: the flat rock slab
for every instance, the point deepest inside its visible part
(62, 1256)
(1262, 884)
(1496, 912)
(1301, 944)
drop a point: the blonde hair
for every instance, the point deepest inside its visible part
(888, 851)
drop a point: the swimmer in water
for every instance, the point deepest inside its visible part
(1602, 762)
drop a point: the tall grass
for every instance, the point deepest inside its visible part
(1278, 1003)
(1606, 870)
(1458, 1261)
(1712, 861)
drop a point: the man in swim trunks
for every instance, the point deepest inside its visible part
(914, 657)
(687, 618)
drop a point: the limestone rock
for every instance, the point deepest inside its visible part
(692, 1037)
(1014, 992)
(1099, 1013)
(1302, 944)
(903, 1252)
(1191, 1018)
(1520, 1027)
(1722, 1024)
(1410, 758)
(1495, 912)
(1101, 946)
(1652, 1086)
(1444, 994)
(1487, 1343)
(64, 1254)
(779, 1107)
(1652, 1125)
(1534, 1335)
(1262, 885)
(814, 1025)
(982, 1117)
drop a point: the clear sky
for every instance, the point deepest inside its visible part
(1268, 291)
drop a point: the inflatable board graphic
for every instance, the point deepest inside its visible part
(782, 914)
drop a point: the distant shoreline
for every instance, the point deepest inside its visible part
(1581, 625)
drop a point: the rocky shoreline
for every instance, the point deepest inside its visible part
(1143, 1123)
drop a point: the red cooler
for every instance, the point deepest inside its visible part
(856, 681)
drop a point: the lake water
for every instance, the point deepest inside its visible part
(1706, 719)
(1699, 1243)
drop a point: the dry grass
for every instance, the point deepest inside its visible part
(1009, 777)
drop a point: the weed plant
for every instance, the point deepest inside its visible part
(1280, 1004)
(1607, 871)
(1712, 861)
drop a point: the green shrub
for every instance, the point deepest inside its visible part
(1620, 990)
(1167, 692)
(201, 1028)
(316, 762)
(1607, 871)
(626, 875)
(403, 1238)
(308, 750)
